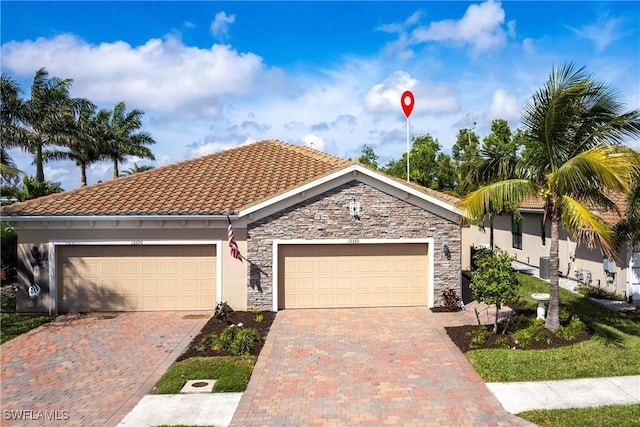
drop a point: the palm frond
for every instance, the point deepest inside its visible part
(597, 171)
(496, 197)
(587, 226)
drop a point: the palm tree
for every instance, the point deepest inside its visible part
(46, 118)
(82, 141)
(572, 160)
(136, 169)
(125, 139)
(11, 112)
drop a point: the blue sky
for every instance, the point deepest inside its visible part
(215, 75)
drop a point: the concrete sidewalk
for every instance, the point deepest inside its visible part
(517, 397)
(215, 409)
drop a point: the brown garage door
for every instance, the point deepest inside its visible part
(136, 278)
(361, 275)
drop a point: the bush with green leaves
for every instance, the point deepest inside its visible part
(478, 338)
(235, 339)
(9, 240)
(598, 292)
(494, 282)
(572, 330)
(225, 339)
(534, 332)
(245, 340)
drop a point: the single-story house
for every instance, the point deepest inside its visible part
(313, 231)
(528, 239)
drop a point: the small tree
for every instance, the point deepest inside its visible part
(494, 281)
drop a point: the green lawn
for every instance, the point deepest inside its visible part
(12, 324)
(232, 373)
(603, 416)
(614, 349)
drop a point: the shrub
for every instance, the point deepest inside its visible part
(259, 317)
(206, 342)
(9, 251)
(224, 340)
(535, 332)
(451, 299)
(244, 341)
(598, 292)
(494, 281)
(572, 330)
(503, 342)
(478, 338)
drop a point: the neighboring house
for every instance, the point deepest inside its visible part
(528, 240)
(314, 230)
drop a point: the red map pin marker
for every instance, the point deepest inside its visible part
(407, 101)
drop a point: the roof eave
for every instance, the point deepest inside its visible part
(352, 168)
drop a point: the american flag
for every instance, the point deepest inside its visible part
(235, 252)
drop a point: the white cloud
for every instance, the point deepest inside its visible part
(481, 28)
(503, 106)
(313, 141)
(602, 32)
(384, 97)
(220, 25)
(161, 75)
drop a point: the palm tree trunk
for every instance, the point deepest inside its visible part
(39, 164)
(83, 175)
(553, 314)
(115, 167)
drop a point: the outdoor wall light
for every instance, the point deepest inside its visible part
(354, 208)
(446, 250)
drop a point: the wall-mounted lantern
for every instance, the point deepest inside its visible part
(446, 250)
(354, 208)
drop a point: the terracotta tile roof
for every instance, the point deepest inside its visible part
(214, 184)
(223, 182)
(610, 216)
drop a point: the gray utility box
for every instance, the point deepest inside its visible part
(544, 267)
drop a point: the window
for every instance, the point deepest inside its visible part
(516, 233)
(543, 232)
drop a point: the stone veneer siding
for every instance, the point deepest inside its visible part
(326, 216)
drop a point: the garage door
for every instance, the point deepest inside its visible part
(361, 275)
(136, 278)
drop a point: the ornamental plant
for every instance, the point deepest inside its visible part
(494, 281)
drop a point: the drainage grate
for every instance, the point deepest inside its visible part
(196, 316)
(198, 386)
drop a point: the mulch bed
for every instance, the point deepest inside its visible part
(215, 326)
(462, 336)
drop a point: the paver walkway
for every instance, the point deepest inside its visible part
(383, 366)
(90, 371)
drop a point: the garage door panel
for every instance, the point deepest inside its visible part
(138, 278)
(363, 283)
(324, 283)
(353, 275)
(342, 282)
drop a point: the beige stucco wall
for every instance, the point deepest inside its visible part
(587, 260)
(234, 272)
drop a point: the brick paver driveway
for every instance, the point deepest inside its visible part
(391, 366)
(90, 371)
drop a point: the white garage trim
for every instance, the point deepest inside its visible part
(429, 241)
(131, 242)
